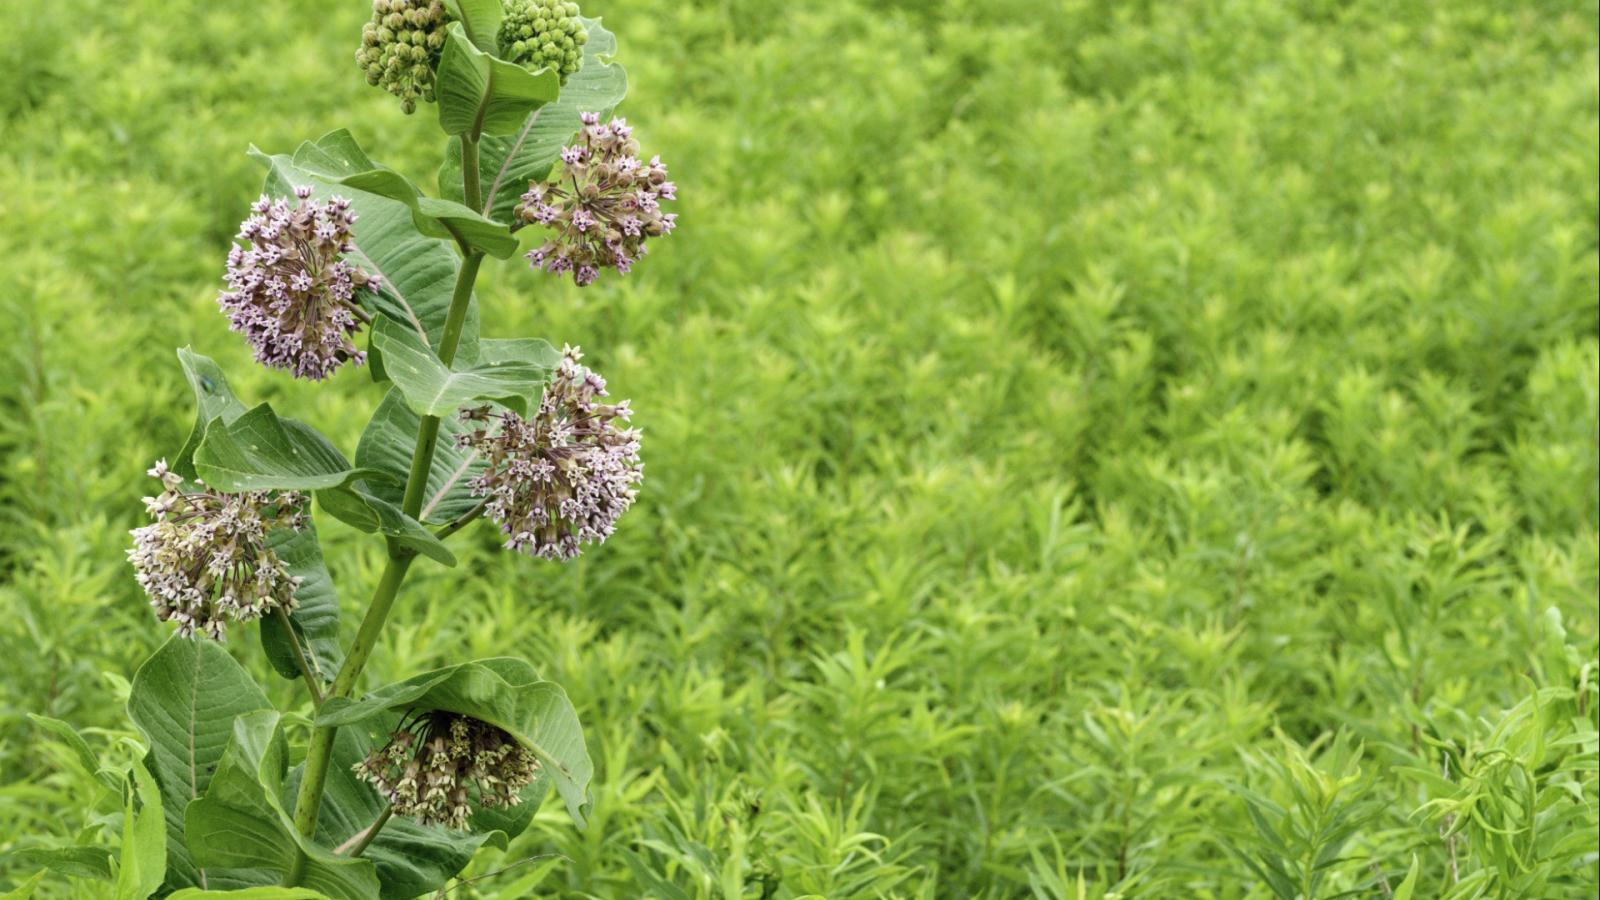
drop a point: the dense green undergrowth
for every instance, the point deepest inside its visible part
(1092, 448)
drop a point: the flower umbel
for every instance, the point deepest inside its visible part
(205, 560)
(400, 48)
(560, 479)
(539, 34)
(291, 294)
(436, 761)
(603, 207)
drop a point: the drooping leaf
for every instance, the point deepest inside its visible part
(355, 506)
(142, 863)
(411, 858)
(339, 159)
(508, 162)
(183, 701)
(418, 272)
(213, 400)
(505, 692)
(386, 445)
(259, 451)
(315, 618)
(241, 821)
(79, 747)
(480, 94)
(73, 862)
(433, 389)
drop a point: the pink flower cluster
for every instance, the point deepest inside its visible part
(562, 478)
(603, 207)
(290, 292)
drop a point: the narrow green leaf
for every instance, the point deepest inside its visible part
(213, 400)
(386, 445)
(479, 94)
(433, 389)
(315, 618)
(355, 506)
(24, 890)
(241, 821)
(505, 692)
(79, 747)
(183, 701)
(143, 860)
(509, 162)
(1409, 885)
(259, 451)
(73, 862)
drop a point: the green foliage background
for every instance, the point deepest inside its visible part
(1091, 446)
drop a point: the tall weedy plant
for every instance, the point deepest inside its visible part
(400, 784)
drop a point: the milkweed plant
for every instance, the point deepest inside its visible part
(343, 262)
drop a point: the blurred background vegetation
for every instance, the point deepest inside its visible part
(1093, 448)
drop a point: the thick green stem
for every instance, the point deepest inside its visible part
(308, 803)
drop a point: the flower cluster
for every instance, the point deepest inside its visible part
(560, 479)
(539, 34)
(205, 560)
(291, 294)
(603, 207)
(400, 48)
(432, 763)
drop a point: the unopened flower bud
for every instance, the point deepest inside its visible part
(541, 34)
(437, 761)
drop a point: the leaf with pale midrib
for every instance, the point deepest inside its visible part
(480, 94)
(315, 617)
(183, 701)
(509, 162)
(432, 388)
(387, 443)
(260, 451)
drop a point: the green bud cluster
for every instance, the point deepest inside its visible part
(539, 34)
(400, 48)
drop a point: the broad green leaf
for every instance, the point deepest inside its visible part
(264, 892)
(339, 159)
(480, 94)
(213, 400)
(386, 445)
(315, 617)
(357, 507)
(142, 864)
(259, 451)
(419, 272)
(241, 821)
(411, 858)
(73, 862)
(183, 701)
(505, 692)
(480, 19)
(79, 747)
(509, 162)
(433, 389)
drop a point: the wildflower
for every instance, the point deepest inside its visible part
(562, 478)
(603, 207)
(291, 294)
(433, 762)
(205, 560)
(540, 34)
(400, 48)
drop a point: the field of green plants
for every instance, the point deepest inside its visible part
(1093, 449)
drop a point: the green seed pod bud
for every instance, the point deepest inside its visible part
(542, 34)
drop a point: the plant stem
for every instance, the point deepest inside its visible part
(461, 521)
(309, 801)
(312, 683)
(358, 842)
